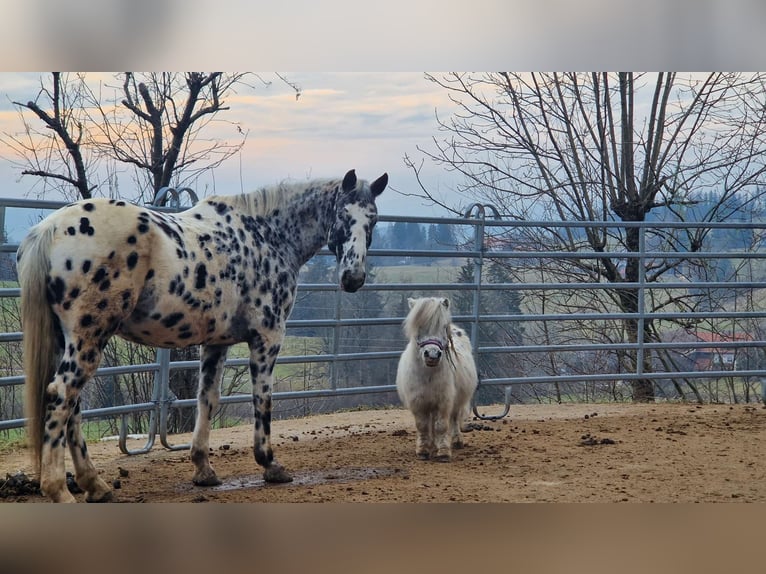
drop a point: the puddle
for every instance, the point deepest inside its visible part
(337, 475)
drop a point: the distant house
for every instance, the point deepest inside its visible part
(715, 357)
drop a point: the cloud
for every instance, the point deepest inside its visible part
(366, 121)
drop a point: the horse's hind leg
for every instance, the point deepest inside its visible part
(208, 394)
(86, 474)
(52, 471)
(62, 424)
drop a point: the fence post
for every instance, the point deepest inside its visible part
(157, 393)
(163, 356)
(478, 266)
(335, 337)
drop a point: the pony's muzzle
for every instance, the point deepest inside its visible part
(351, 281)
(432, 356)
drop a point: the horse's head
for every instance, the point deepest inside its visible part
(428, 324)
(351, 232)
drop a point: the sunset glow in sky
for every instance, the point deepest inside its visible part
(364, 121)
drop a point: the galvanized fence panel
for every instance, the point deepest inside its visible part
(537, 362)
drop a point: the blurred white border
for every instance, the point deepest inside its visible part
(352, 35)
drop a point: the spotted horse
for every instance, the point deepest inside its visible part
(223, 272)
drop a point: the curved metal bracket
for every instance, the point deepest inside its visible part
(164, 411)
(496, 417)
(481, 211)
(160, 199)
(123, 435)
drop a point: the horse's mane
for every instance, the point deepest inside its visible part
(428, 316)
(269, 198)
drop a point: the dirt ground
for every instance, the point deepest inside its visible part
(538, 453)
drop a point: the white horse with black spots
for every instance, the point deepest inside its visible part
(436, 377)
(223, 272)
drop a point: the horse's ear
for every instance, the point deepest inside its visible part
(379, 185)
(349, 180)
(410, 302)
(445, 302)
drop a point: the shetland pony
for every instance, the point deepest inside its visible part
(223, 272)
(436, 377)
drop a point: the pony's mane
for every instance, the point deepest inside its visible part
(269, 198)
(428, 316)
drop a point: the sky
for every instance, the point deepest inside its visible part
(341, 121)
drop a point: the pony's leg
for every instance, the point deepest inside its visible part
(62, 400)
(442, 434)
(208, 394)
(262, 360)
(86, 474)
(424, 443)
(457, 436)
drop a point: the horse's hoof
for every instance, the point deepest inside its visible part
(107, 496)
(442, 458)
(423, 455)
(276, 474)
(206, 480)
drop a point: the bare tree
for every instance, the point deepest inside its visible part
(160, 124)
(608, 147)
(56, 153)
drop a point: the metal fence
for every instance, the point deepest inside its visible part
(698, 327)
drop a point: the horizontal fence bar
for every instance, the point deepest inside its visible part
(610, 377)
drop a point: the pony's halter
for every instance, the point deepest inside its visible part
(431, 341)
(447, 348)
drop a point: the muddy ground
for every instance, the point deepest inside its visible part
(538, 453)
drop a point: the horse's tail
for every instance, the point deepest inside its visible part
(38, 326)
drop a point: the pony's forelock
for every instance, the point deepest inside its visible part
(427, 316)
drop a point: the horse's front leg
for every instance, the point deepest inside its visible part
(209, 391)
(263, 357)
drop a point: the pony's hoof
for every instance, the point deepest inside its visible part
(423, 455)
(443, 457)
(206, 479)
(276, 474)
(107, 496)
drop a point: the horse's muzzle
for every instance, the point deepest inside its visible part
(350, 282)
(432, 356)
